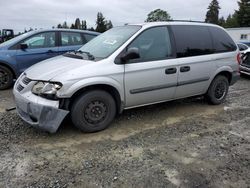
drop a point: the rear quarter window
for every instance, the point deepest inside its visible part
(222, 42)
(192, 40)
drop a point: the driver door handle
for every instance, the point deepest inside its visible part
(170, 71)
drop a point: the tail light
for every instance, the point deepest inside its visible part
(239, 58)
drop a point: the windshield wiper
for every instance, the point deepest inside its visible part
(90, 56)
(73, 55)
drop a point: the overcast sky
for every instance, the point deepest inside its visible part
(20, 14)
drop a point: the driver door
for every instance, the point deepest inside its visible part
(40, 47)
(151, 78)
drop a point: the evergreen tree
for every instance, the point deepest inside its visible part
(77, 23)
(231, 21)
(212, 15)
(109, 25)
(91, 29)
(158, 15)
(222, 21)
(59, 26)
(84, 25)
(65, 26)
(72, 26)
(243, 14)
(100, 23)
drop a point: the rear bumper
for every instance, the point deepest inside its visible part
(244, 70)
(38, 112)
(235, 78)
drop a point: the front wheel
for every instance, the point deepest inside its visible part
(218, 90)
(93, 111)
(6, 78)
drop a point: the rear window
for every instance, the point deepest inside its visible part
(192, 40)
(222, 41)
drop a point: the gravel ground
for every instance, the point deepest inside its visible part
(184, 143)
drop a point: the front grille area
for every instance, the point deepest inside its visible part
(19, 87)
(26, 80)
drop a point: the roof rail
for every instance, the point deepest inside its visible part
(186, 21)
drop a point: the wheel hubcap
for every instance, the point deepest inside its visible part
(220, 91)
(3, 78)
(95, 112)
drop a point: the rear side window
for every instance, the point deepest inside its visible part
(89, 37)
(222, 41)
(192, 40)
(71, 39)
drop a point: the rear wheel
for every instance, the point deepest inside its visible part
(218, 90)
(6, 78)
(93, 111)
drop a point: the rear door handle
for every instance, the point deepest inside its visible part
(171, 71)
(185, 69)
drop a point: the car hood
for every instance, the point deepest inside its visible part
(50, 68)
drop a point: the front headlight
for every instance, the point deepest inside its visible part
(46, 88)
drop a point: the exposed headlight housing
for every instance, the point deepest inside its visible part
(46, 89)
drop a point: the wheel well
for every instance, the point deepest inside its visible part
(7, 66)
(227, 74)
(109, 89)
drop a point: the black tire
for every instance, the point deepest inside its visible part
(6, 78)
(93, 111)
(218, 90)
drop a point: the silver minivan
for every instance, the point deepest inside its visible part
(128, 67)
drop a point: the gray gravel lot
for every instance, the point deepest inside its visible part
(184, 143)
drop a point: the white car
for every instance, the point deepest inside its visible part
(243, 47)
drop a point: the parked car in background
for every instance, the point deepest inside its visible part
(128, 67)
(245, 64)
(242, 47)
(21, 52)
(246, 43)
(6, 34)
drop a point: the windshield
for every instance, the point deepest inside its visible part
(105, 44)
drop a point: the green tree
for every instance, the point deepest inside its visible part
(72, 26)
(158, 15)
(77, 23)
(65, 25)
(91, 29)
(59, 26)
(109, 25)
(100, 23)
(243, 14)
(212, 15)
(231, 21)
(84, 25)
(222, 21)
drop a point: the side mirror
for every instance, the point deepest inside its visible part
(132, 53)
(23, 46)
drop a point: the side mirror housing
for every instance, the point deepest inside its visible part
(132, 53)
(23, 46)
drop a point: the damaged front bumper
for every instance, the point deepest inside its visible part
(39, 112)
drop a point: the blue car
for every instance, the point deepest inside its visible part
(21, 52)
